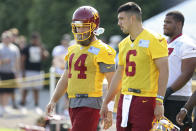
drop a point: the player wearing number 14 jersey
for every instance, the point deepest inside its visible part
(143, 70)
(89, 61)
(85, 65)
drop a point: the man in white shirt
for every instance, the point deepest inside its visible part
(182, 56)
(59, 52)
(9, 70)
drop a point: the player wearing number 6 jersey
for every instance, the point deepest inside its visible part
(88, 63)
(143, 70)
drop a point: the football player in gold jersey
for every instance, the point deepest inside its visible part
(88, 63)
(143, 70)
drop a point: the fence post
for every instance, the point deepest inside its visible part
(52, 80)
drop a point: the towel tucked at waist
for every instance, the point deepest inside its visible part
(125, 109)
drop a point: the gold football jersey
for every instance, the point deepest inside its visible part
(84, 75)
(137, 57)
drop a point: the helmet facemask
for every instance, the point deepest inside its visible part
(85, 37)
(164, 125)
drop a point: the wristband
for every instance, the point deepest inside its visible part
(161, 97)
(184, 109)
(159, 103)
(111, 106)
(160, 100)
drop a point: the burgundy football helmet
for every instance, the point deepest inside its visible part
(164, 125)
(85, 17)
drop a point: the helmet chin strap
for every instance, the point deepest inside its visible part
(98, 31)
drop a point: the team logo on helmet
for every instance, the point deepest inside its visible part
(164, 125)
(96, 16)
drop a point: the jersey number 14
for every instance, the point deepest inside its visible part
(78, 66)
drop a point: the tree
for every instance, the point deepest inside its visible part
(53, 18)
(13, 13)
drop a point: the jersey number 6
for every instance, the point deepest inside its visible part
(130, 63)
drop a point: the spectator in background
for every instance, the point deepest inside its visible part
(9, 69)
(182, 59)
(15, 34)
(59, 53)
(72, 42)
(18, 40)
(114, 41)
(58, 61)
(32, 57)
(13, 39)
(21, 42)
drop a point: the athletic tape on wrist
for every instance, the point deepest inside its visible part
(160, 97)
(111, 106)
(184, 109)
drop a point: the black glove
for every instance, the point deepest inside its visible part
(169, 91)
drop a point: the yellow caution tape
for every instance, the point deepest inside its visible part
(30, 81)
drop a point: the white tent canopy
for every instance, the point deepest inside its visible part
(187, 8)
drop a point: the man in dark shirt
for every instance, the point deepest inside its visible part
(32, 57)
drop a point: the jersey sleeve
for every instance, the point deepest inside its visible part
(69, 52)
(188, 51)
(106, 67)
(158, 48)
(106, 55)
(120, 60)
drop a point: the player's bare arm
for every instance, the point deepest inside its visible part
(108, 119)
(17, 66)
(187, 107)
(58, 93)
(23, 58)
(109, 76)
(162, 65)
(116, 79)
(187, 69)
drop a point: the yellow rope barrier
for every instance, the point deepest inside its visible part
(30, 81)
(35, 77)
(25, 85)
(38, 80)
